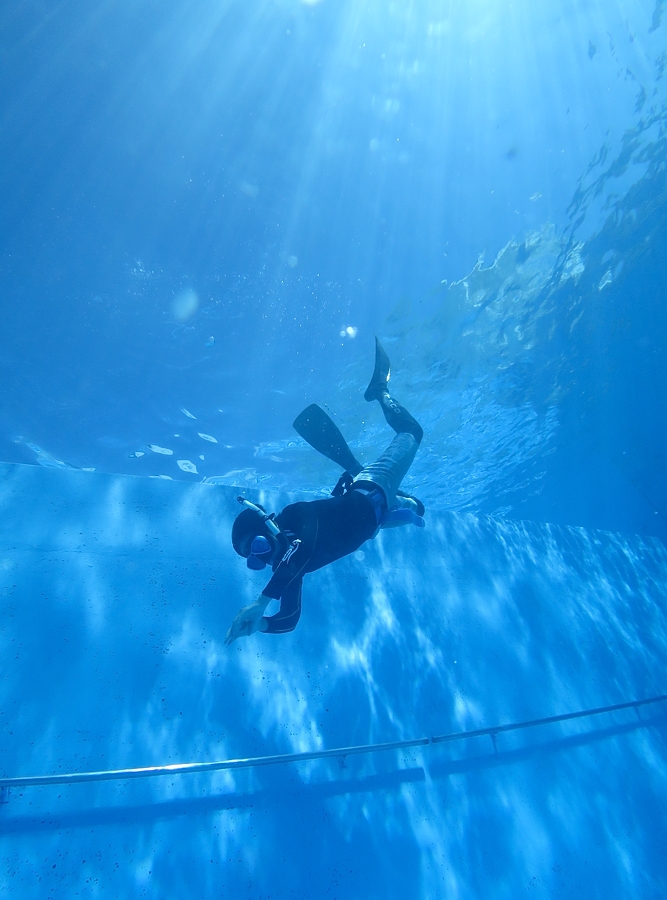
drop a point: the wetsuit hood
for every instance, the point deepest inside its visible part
(247, 525)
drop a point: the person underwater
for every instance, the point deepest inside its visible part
(308, 535)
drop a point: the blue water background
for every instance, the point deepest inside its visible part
(198, 201)
(208, 209)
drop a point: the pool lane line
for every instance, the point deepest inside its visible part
(337, 753)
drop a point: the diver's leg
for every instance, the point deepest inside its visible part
(391, 467)
(399, 418)
(396, 415)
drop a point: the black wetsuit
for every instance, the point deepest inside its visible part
(317, 532)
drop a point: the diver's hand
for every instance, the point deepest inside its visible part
(248, 620)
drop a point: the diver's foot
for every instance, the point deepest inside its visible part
(407, 501)
(378, 384)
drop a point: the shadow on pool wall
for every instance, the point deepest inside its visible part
(116, 595)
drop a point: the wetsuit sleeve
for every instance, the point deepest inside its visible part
(285, 584)
(290, 610)
(291, 567)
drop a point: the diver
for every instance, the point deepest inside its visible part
(309, 535)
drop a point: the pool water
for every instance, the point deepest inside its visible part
(208, 212)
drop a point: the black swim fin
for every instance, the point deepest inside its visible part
(323, 435)
(381, 372)
(319, 430)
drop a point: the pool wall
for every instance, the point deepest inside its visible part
(116, 593)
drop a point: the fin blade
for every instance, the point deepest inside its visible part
(381, 373)
(319, 430)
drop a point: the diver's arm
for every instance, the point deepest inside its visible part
(248, 620)
(290, 569)
(287, 617)
(283, 586)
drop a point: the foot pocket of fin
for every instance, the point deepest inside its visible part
(378, 383)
